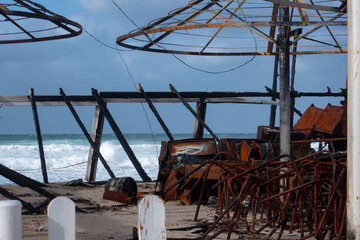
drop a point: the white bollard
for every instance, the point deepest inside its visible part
(61, 219)
(151, 212)
(10, 220)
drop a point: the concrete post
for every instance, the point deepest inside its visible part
(353, 124)
(10, 220)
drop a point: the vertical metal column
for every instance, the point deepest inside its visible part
(274, 89)
(353, 122)
(284, 69)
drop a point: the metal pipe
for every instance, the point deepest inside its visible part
(353, 129)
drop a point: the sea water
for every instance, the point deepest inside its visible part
(66, 155)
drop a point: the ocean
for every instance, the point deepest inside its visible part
(66, 155)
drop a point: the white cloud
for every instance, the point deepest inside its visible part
(95, 5)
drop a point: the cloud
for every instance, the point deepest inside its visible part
(95, 5)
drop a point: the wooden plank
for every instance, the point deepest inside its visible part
(11, 196)
(61, 219)
(96, 135)
(201, 111)
(151, 212)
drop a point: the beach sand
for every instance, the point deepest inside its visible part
(106, 219)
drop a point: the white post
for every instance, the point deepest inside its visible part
(151, 212)
(353, 131)
(61, 219)
(10, 220)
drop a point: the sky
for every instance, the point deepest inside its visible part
(81, 63)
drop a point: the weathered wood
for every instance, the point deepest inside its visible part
(193, 112)
(61, 219)
(201, 111)
(135, 97)
(156, 113)
(274, 89)
(284, 82)
(25, 204)
(24, 181)
(87, 135)
(38, 134)
(96, 135)
(151, 214)
(121, 137)
(297, 32)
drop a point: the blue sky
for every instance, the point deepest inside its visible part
(81, 63)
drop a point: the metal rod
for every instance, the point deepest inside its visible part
(87, 135)
(121, 137)
(39, 138)
(156, 113)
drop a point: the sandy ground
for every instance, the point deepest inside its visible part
(106, 219)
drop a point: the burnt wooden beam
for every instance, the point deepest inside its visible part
(156, 97)
(24, 181)
(193, 112)
(156, 113)
(274, 89)
(198, 127)
(87, 135)
(25, 204)
(39, 137)
(121, 137)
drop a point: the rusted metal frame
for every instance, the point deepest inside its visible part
(330, 202)
(227, 20)
(318, 27)
(328, 29)
(300, 177)
(248, 26)
(17, 25)
(193, 112)
(272, 29)
(39, 137)
(286, 3)
(303, 14)
(44, 17)
(121, 138)
(295, 207)
(25, 204)
(193, 3)
(86, 134)
(291, 190)
(188, 194)
(238, 198)
(156, 113)
(40, 13)
(202, 192)
(155, 41)
(319, 140)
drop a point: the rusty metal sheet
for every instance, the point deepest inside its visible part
(118, 197)
(308, 119)
(214, 173)
(193, 147)
(330, 119)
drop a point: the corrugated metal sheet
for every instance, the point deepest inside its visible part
(308, 119)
